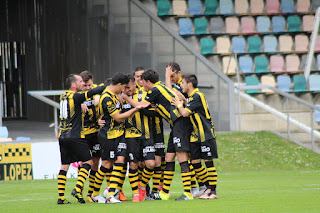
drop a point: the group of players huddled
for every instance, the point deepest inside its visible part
(120, 122)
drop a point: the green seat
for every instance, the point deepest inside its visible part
(210, 7)
(254, 44)
(163, 7)
(261, 64)
(294, 23)
(207, 45)
(200, 26)
(300, 83)
(252, 81)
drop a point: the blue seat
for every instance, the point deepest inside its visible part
(287, 6)
(207, 45)
(278, 23)
(317, 115)
(238, 44)
(195, 7)
(185, 26)
(226, 6)
(4, 132)
(245, 64)
(270, 43)
(263, 24)
(318, 61)
(314, 82)
(284, 82)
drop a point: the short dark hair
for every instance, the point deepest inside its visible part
(191, 78)
(108, 81)
(137, 69)
(175, 66)
(131, 78)
(86, 76)
(119, 78)
(71, 79)
(150, 75)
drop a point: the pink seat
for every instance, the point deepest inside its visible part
(241, 6)
(247, 24)
(285, 43)
(292, 63)
(272, 6)
(303, 5)
(256, 6)
(307, 22)
(301, 43)
(317, 47)
(276, 63)
(232, 25)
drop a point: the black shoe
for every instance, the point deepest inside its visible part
(148, 190)
(155, 196)
(63, 201)
(185, 197)
(78, 196)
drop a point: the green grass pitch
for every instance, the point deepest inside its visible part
(257, 172)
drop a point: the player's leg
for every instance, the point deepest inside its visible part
(157, 173)
(62, 177)
(133, 156)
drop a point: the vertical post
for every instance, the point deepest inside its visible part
(55, 111)
(312, 134)
(238, 79)
(288, 119)
(1, 103)
(130, 37)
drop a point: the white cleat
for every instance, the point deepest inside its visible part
(112, 199)
(202, 189)
(98, 199)
(195, 192)
(106, 192)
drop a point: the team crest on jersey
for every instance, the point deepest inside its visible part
(139, 96)
(109, 103)
(118, 105)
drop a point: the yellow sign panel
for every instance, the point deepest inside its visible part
(15, 153)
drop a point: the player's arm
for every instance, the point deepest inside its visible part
(81, 97)
(96, 100)
(179, 104)
(117, 116)
(169, 72)
(132, 102)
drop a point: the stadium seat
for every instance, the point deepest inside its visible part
(256, 6)
(317, 47)
(294, 23)
(276, 63)
(4, 132)
(270, 43)
(200, 26)
(229, 65)
(307, 22)
(299, 83)
(223, 44)
(210, 7)
(232, 25)
(254, 43)
(292, 63)
(318, 62)
(284, 82)
(238, 44)
(217, 25)
(301, 43)
(207, 45)
(278, 23)
(303, 5)
(245, 64)
(314, 82)
(241, 6)
(194, 7)
(263, 24)
(304, 62)
(285, 43)
(226, 7)
(270, 81)
(315, 4)
(317, 115)
(185, 26)
(272, 6)
(252, 81)
(179, 7)
(261, 64)
(163, 7)
(287, 6)
(247, 24)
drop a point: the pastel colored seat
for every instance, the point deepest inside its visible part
(299, 83)
(163, 7)
(223, 44)
(245, 64)
(270, 43)
(232, 25)
(179, 7)
(254, 44)
(272, 6)
(301, 43)
(276, 63)
(317, 47)
(270, 81)
(241, 6)
(303, 63)
(315, 4)
(252, 81)
(285, 43)
(194, 7)
(247, 24)
(314, 82)
(256, 6)
(287, 6)
(229, 65)
(217, 25)
(303, 5)
(207, 45)
(292, 63)
(261, 64)
(238, 44)
(307, 22)
(294, 23)
(226, 6)
(263, 24)
(185, 26)
(284, 82)
(4, 132)
(200, 25)
(278, 23)
(318, 61)
(210, 7)
(317, 115)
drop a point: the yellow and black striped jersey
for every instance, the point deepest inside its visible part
(91, 117)
(108, 106)
(161, 96)
(200, 117)
(157, 126)
(71, 117)
(177, 85)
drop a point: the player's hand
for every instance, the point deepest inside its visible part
(121, 99)
(169, 71)
(142, 106)
(101, 122)
(84, 108)
(176, 102)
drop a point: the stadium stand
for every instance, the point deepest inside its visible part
(284, 82)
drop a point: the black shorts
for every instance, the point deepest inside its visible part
(111, 148)
(204, 150)
(179, 138)
(94, 144)
(160, 148)
(75, 149)
(140, 149)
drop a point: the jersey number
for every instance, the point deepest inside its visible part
(64, 109)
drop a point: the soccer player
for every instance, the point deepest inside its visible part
(203, 144)
(178, 144)
(73, 146)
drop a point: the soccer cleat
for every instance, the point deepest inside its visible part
(202, 189)
(185, 196)
(195, 192)
(105, 192)
(210, 196)
(154, 196)
(160, 188)
(98, 199)
(142, 194)
(164, 196)
(78, 196)
(122, 197)
(136, 198)
(89, 199)
(112, 199)
(205, 194)
(65, 201)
